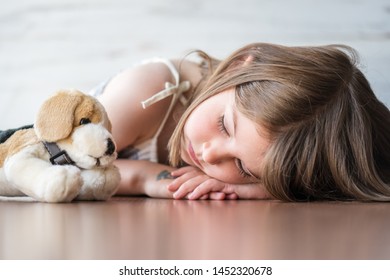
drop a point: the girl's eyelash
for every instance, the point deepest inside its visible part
(222, 128)
(221, 125)
(241, 169)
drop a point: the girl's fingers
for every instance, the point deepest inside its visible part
(185, 174)
(180, 180)
(231, 196)
(191, 183)
(206, 187)
(217, 196)
(183, 170)
(203, 197)
(188, 187)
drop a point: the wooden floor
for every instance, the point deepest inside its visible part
(144, 228)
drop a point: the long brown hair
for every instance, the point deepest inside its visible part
(329, 134)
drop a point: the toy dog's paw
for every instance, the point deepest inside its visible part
(60, 183)
(113, 178)
(99, 184)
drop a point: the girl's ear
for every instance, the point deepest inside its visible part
(56, 116)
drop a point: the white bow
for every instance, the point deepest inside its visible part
(170, 89)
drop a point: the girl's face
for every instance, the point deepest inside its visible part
(222, 142)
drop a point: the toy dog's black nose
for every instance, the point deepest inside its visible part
(110, 147)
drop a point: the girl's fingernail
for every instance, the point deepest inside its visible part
(176, 195)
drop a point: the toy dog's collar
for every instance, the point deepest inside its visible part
(57, 156)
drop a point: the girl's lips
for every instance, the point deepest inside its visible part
(192, 155)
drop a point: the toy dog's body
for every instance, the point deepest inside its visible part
(67, 155)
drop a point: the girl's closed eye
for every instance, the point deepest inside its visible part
(221, 125)
(241, 169)
(223, 129)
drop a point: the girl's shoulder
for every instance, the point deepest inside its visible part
(124, 94)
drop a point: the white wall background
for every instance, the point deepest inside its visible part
(47, 45)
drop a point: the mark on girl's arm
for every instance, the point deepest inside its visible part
(165, 174)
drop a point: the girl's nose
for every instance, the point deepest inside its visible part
(214, 153)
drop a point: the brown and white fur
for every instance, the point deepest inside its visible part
(79, 125)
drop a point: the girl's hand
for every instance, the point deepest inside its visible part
(192, 183)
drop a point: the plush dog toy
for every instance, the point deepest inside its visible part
(67, 154)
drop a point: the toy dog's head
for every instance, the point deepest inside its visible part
(79, 125)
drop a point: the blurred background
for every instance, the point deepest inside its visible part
(48, 45)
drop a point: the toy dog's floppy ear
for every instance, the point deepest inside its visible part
(56, 116)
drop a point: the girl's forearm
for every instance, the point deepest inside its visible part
(140, 177)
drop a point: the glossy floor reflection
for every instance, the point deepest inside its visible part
(142, 228)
